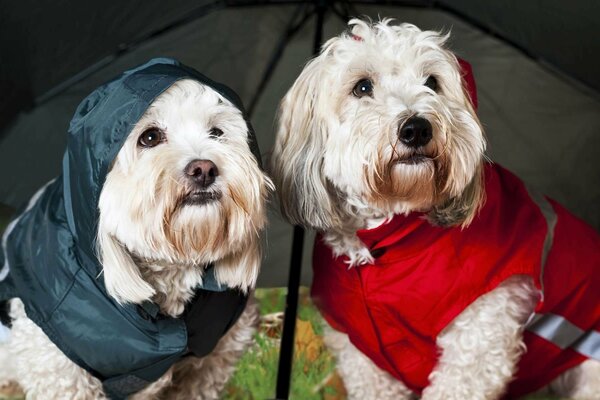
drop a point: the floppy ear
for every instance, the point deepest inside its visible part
(297, 159)
(122, 277)
(466, 197)
(461, 209)
(240, 269)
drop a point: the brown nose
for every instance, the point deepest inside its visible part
(203, 172)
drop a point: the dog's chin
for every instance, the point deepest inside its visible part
(201, 198)
(415, 159)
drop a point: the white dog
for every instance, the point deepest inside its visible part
(433, 266)
(185, 190)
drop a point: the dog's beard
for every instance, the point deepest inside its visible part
(415, 177)
(158, 219)
(156, 214)
(208, 224)
(394, 178)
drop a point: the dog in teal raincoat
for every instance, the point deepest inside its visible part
(129, 274)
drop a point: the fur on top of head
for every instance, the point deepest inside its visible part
(156, 207)
(338, 153)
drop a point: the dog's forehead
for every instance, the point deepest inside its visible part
(192, 99)
(384, 67)
(192, 93)
(385, 56)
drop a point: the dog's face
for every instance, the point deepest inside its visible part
(379, 123)
(185, 189)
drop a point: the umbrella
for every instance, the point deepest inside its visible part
(535, 64)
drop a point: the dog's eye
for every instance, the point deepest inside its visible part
(432, 83)
(216, 132)
(364, 87)
(151, 137)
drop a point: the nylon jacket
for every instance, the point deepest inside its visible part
(48, 256)
(424, 276)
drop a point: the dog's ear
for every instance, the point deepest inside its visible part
(461, 209)
(297, 159)
(465, 181)
(240, 270)
(122, 277)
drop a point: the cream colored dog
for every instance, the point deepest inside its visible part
(378, 125)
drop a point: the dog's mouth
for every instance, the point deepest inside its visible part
(414, 159)
(201, 197)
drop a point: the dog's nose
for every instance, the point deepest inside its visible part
(415, 132)
(203, 172)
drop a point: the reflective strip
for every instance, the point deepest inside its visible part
(589, 345)
(550, 217)
(552, 327)
(11, 227)
(564, 334)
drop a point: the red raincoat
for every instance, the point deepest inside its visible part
(425, 276)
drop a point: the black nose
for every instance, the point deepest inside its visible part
(203, 172)
(415, 132)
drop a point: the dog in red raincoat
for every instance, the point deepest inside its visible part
(441, 274)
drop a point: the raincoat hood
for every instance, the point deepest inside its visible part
(48, 257)
(99, 128)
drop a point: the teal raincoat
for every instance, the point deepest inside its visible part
(48, 257)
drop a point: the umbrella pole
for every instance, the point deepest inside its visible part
(286, 354)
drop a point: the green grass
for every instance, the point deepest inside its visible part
(256, 374)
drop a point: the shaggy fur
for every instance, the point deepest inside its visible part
(153, 244)
(339, 166)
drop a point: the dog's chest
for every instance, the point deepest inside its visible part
(424, 276)
(174, 286)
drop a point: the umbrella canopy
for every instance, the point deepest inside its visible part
(536, 72)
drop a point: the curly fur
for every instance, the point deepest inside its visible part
(337, 164)
(153, 245)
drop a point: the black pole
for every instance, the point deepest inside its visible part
(286, 355)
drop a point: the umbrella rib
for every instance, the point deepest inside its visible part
(291, 30)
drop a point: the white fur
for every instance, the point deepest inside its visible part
(362, 378)
(153, 246)
(337, 166)
(482, 346)
(335, 161)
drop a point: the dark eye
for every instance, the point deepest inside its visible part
(364, 87)
(432, 83)
(216, 132)
(151, 137)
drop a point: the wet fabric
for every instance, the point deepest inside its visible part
(48, 256)
(424, 276)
